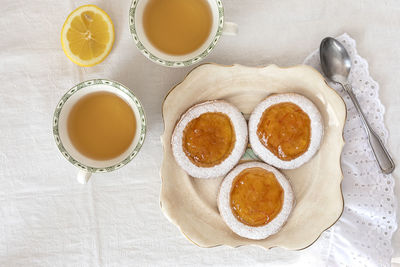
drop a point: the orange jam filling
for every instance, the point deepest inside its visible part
(256, 197)
(209, 139)
(285, 129)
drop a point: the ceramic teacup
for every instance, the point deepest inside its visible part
(86, 165)
(218, 28)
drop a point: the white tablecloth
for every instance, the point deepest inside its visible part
(48, 219)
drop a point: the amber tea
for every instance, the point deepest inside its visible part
(101, 125)
(177, 27)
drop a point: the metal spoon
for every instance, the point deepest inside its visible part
(336, 64)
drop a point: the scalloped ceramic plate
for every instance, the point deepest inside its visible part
(191, 203)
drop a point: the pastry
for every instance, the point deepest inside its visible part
(285, 130)
(209, 139)
(255, 200)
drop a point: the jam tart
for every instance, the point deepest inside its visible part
(285, 130)
(209, 139)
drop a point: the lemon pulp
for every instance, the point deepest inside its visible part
(87, 36)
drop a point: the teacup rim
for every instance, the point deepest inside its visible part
(71, 92)
(175, 63)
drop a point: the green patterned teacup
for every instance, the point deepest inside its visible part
(218, 28)
(86, 165)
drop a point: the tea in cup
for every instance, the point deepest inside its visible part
(178, 33)
(99, 126)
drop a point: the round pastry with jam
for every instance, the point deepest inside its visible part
(209, 139)
(285, 130)
(255, 200)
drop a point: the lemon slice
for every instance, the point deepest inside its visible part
(87, 35)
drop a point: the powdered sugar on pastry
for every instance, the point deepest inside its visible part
(240, 131)
(251, 232)
(316, 130)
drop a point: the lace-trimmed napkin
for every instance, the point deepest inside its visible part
(362, 236)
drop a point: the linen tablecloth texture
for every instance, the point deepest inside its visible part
(48, 219)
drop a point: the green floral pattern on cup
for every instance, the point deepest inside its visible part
(87, 84)
(168, 63)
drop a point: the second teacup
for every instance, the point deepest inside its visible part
(178, 33)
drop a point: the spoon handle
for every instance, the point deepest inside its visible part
(381, 154)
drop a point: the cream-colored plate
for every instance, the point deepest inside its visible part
(191, 203)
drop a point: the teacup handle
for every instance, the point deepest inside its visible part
(83, 176)
(230, 28)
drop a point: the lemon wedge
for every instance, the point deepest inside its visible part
(87, 35)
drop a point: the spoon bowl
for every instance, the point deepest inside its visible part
(335, 61)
